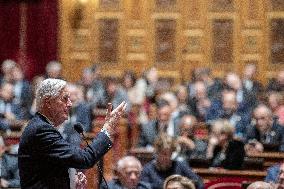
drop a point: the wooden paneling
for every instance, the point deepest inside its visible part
(171, 35)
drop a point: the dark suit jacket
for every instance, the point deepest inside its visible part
(10, 171)
(45, 157)
(276, 136)
(233, 157)
(156, 178)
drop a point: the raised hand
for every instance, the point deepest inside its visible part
(113, 117)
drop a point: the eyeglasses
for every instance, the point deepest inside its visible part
(260, 118)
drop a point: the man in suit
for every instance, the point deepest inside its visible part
(151, 129)
(10, 111)
(44, 156)
(156, 171)
(229, 109)
(266, 132)
(128, 175)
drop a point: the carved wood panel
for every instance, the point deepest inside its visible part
(277, 41)
(276, 5)
(222, 5)
(222, 30)
(165, 48)
(108, 40)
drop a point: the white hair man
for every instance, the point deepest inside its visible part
(44, 156)
(128, 171)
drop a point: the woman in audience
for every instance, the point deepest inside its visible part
(223, 150)
(156, 171)
(178, 182)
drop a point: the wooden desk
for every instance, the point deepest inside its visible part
(142, 154)
(270, 158)
(211, 174)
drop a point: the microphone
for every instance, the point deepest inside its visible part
(79, 129)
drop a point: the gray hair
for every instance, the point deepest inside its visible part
(53, 65)
(260, 185)
(48, 88)
(8, 64)
(123, 162)
(266, 108)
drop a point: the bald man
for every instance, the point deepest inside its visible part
(128, 175)
(265, 130)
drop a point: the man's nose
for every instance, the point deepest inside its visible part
(133, 176)
(69, 103)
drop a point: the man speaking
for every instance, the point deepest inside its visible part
(44, 156)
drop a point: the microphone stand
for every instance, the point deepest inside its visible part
(98, 164)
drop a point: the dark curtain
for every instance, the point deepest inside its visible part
(42, 27)
(9, 30)
(41, 34)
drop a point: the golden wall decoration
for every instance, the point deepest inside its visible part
(277, 41)
(222, 30)
(176, 36)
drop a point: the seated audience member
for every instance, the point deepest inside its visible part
(183, 99)
(7, 70)
(151, 129)
(53, 70)
(214, 86)
(188, 146)
(276, 104)
(9, 110)
(277, 84)
(156, 171)
(260, 185)
(223, 150)
(80, 112)
(96, 92)
(128, 171)
(9, 174)
(130, 86)
(178, 182)
(273, 173)
(266, 132)
(200, 102)
(249, 81)
(115, 93)
(22, 89)
(229, 109)
(176, 114)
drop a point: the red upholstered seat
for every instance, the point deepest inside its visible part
(225, 183)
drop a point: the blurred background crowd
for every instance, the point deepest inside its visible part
(206, 120)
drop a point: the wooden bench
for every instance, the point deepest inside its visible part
(214, 173)
(270, 158)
